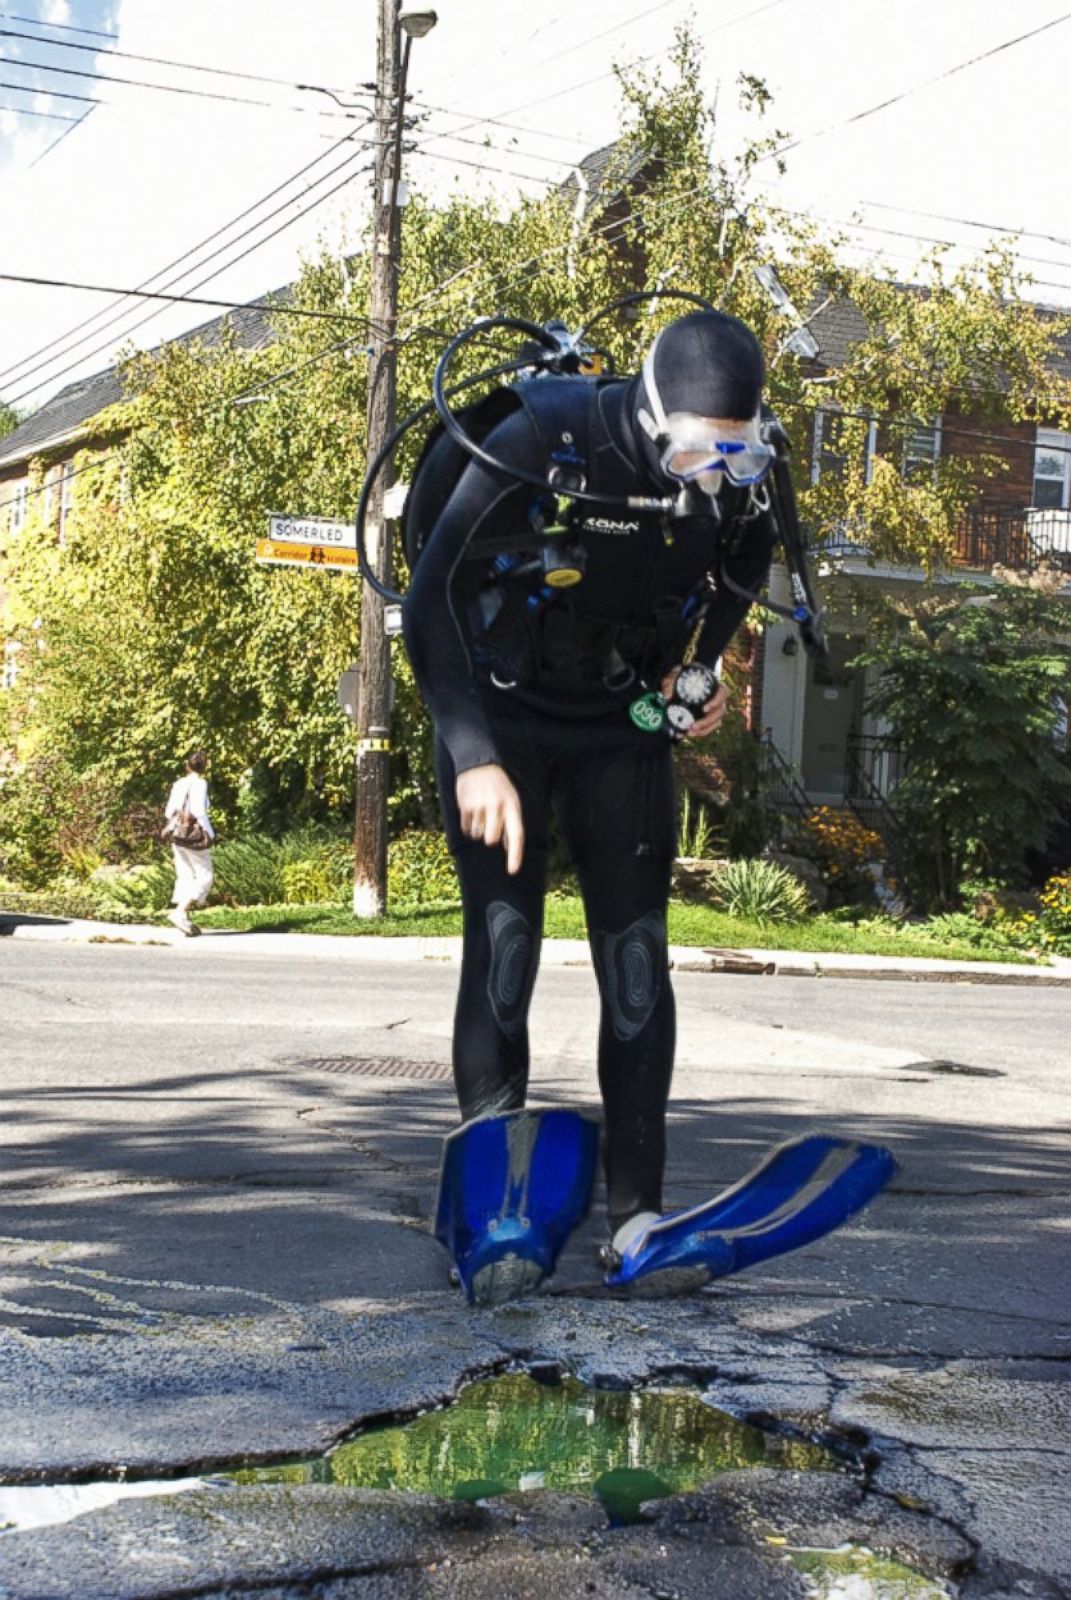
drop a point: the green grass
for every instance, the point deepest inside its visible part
(688, 925)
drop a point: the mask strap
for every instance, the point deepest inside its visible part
(655, 427)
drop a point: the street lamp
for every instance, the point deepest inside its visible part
(417, 23)
(373, 700)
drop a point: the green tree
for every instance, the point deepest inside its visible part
(9, 418)
(976, 688)
(151, 630)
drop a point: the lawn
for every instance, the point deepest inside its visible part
(688, 925)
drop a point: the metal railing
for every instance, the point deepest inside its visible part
(873, 768)
(1012, 536)
(781, 788)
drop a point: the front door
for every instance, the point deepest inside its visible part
(831, 710)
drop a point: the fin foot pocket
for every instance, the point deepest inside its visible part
(798, 1193)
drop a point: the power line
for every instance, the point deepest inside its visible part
(170, 88)
(76, 122)
(158, 61)
(970, 222)
(35, 355)
(53, 94)
(25, 111)
(66, 27)
(275, 308)
(915, 88)
(900, 233)
(191, 299)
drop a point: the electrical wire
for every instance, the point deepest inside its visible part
(66, 27)
(168, 88)
(191, 299)
(25, 111)
(922, 238)
(35, 355)
(915, 88)
(76, 122)
(159, 61)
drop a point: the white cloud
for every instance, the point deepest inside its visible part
(57, 11)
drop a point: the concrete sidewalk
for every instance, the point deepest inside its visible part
(747, 961)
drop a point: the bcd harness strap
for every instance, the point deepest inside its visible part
(508, 617)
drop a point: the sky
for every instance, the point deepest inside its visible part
(900, 128)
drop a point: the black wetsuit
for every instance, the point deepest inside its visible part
(573, 661)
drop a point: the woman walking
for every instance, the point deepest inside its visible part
(190, 834)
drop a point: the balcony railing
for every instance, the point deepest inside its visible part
(1008, 536)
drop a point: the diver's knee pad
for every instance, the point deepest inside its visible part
(511, 975)
(632, 970)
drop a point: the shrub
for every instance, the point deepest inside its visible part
(140, 888)
(1055, 922)
(842, 848)
(420, 869)
(308, 882)
(759, 890)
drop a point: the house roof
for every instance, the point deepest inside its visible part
(599, 168)
(60, 418)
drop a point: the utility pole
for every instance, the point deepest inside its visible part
(374, 677)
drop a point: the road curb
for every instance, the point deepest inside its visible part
(743, 962)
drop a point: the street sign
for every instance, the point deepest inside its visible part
(308, 542)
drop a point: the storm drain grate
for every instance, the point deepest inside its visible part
(379, 1067)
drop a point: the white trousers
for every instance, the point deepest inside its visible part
(193, 876)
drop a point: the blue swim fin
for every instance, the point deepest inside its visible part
(801, 1191)
(513, 1188)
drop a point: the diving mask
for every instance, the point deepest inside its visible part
(694, 449)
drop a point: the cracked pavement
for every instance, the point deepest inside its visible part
(215, 1250)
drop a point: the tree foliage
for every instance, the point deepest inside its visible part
(9, 418)
(151, 630)
(975, 687)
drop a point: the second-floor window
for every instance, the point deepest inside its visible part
(1052, 469)
(922, 448)
(66, 498)
(17, 506)
(837, 440)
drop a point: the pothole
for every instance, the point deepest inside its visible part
(514, 1433)
(855, 1573)
(956, 1069)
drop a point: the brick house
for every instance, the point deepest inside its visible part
(825, 747)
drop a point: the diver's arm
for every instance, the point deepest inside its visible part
(435, 611)
(748, 565)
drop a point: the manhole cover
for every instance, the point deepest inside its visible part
(377, 1067)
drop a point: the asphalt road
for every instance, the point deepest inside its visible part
(218, 1168)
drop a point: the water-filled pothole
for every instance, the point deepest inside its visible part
(511, 1433)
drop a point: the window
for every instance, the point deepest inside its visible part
(17, 506)
(922, 448)
(1052, 469)
(833, 438)
(66, 500)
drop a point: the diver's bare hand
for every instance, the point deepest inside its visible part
(490, 810)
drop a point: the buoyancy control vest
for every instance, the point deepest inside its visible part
(574, 645)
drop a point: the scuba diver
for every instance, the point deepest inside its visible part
(561, 646)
